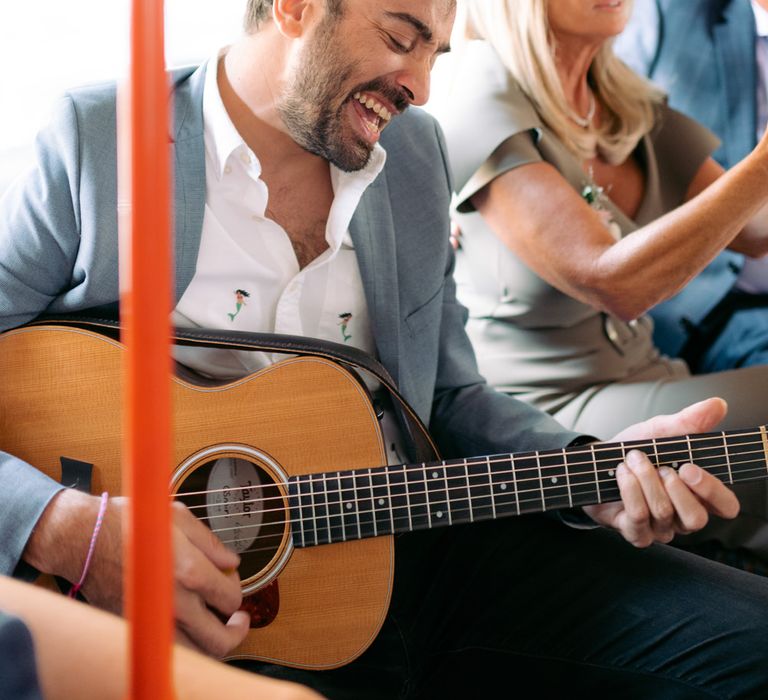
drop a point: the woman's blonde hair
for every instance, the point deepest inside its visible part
(519, 32)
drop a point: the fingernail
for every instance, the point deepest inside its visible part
(621, 471)
(691, 474)
(666, 472)
(636, 458)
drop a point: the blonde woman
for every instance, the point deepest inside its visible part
(583, 201)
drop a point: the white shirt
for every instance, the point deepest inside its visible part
(247, 276)
(754, 275)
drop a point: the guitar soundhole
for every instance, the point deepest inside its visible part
(239, 501)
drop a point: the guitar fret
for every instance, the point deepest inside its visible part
(707, 454)
(594, 468)
(555, 489)
(747, 455)
(480, 489)
(727, 458)
(504, 476)
(439, 505)
(527, 475)
(581, 475)
(335, 511)
(608, 457)
(400, 504)
(671, 452)
(322, 533)
(490, 486)
(447, 496)
(459, 497)
(469, 492)
(365, 505)
(382, 507)
(389, 500)
(426, 494)
(350, 507)
(306, 514)
(541, 482)
(417, 498)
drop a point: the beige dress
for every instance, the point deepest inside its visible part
(592, 371)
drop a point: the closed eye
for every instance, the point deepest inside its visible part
(398, 46)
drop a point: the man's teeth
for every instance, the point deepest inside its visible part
(373, 105)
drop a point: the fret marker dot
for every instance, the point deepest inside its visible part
(381, 501)
(554, 479)
(435, 475)
(674, 465)
(439, 514)
(611, 472)
(349, 506)
(503, 487)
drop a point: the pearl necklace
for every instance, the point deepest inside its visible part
(584, 122)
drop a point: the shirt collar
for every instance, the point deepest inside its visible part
(761, 19)
(221, 137)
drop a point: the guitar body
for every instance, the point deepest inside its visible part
(313, 607)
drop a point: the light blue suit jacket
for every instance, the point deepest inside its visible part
(58, 253)
(702, 52)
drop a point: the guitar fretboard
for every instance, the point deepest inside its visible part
(355, 504)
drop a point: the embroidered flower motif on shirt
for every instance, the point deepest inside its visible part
(240, 296)
(344, 320)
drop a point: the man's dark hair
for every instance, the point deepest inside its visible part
(259, 11)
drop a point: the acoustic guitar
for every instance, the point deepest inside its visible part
(284, 465)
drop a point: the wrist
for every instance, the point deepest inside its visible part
(59, 542)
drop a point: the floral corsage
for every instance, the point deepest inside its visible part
(594, 195)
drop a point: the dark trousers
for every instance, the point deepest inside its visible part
(530, 603)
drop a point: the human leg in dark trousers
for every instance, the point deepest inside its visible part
(532, 603)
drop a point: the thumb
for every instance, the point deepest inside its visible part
(696, 418)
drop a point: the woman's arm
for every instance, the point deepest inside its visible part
(752, 240)
(81, 652)
(539, 216)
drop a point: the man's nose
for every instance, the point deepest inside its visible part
(415, 81)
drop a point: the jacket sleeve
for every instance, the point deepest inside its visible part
(468, 416)
(39, 238)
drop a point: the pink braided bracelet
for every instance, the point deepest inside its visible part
(96, 528)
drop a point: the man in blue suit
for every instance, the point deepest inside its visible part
(308, 190)
(711, 57)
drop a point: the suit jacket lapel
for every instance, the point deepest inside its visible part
(188, 152)
(735, 46)
(373, 234)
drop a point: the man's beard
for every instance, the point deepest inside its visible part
(307, 108)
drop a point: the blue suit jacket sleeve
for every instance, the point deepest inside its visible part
(18, 672)
(39, 240)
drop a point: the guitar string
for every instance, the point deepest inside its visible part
(427, 504)
(545, 470)
(539, 492)
(688, 444)
(395, 518)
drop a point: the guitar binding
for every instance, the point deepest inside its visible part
(241, 494)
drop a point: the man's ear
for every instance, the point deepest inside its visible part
(292, 17)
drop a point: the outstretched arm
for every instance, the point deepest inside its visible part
(81, 653)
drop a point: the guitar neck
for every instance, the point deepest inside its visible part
(355, 504)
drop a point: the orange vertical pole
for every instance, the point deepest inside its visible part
(146, 295)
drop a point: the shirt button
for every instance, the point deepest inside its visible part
(227, 170)
(245, 158)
